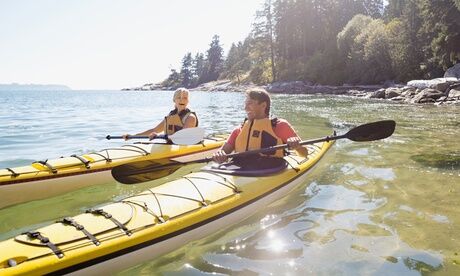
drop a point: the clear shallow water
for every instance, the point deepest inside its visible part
(368, 208)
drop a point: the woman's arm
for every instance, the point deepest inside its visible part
(190, 121)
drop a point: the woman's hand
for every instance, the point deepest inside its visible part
(126, 136)
(152, 135)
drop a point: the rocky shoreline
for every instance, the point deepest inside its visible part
(439, 91)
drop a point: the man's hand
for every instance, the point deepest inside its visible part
(220, 156)
(293, 143)
(126, 136)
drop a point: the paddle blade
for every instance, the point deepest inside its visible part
(371, 131)
(142, 171)
(187, 136)
(153, 174)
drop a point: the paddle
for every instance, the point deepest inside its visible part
(186, 136)
(130, 174)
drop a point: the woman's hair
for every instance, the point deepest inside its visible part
(179, 91)
(261, 96)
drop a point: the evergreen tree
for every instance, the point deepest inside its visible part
(186, 71)
(214, 60)
(264, 31)
(394, 9)
(198, 69)
(441, 33)
(174, 80)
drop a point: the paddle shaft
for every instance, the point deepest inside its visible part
(273, 148)
(363, 133)
(161, 136)
(367, 132)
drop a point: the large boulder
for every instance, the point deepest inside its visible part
(454, 93)
(440, 84)
(453, 72)
(427, 95)
(392, 92)
(379, 94)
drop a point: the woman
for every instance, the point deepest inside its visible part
(179, 118)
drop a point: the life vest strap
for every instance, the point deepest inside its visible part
(46, 241)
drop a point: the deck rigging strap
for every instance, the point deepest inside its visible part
(136, 147)
(146, 209)
(45, 241)
(226, 182)
(46, 164)
(13, 173)
(79, 227)
(107, 159)
(83, 160)
(203, 201)
(100, 212)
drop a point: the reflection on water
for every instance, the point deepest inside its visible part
(367, 208)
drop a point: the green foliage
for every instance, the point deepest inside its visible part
(326, 67)
(237, 62)
(186, 71)
(336, 42)
(198, 68)
(365, 42)
(457, 4)
(346, 38)
(174, 80)
(214, 61)
(405, 61)
(441, 33)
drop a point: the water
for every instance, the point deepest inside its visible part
(384, 208)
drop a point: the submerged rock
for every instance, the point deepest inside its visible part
(438, 160)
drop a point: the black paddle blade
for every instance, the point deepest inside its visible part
(371, 131)
(144, 171)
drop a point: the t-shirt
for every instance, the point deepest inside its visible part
(282, 129)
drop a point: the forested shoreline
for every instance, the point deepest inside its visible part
(333, 42)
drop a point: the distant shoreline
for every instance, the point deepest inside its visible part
(436, 91)
(33, 87)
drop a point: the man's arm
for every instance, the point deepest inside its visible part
(228, 147)
(286, 132)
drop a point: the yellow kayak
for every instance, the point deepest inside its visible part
(118, 235)
(48, 178)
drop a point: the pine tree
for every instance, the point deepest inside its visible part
(186, 71)
(214, 60)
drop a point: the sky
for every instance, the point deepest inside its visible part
(112, 44)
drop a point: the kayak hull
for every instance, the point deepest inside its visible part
(156, 221)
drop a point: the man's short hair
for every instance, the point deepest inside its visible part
(261, 96)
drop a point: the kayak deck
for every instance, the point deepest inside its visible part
(159, 219)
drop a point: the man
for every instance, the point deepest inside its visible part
(259, 131)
